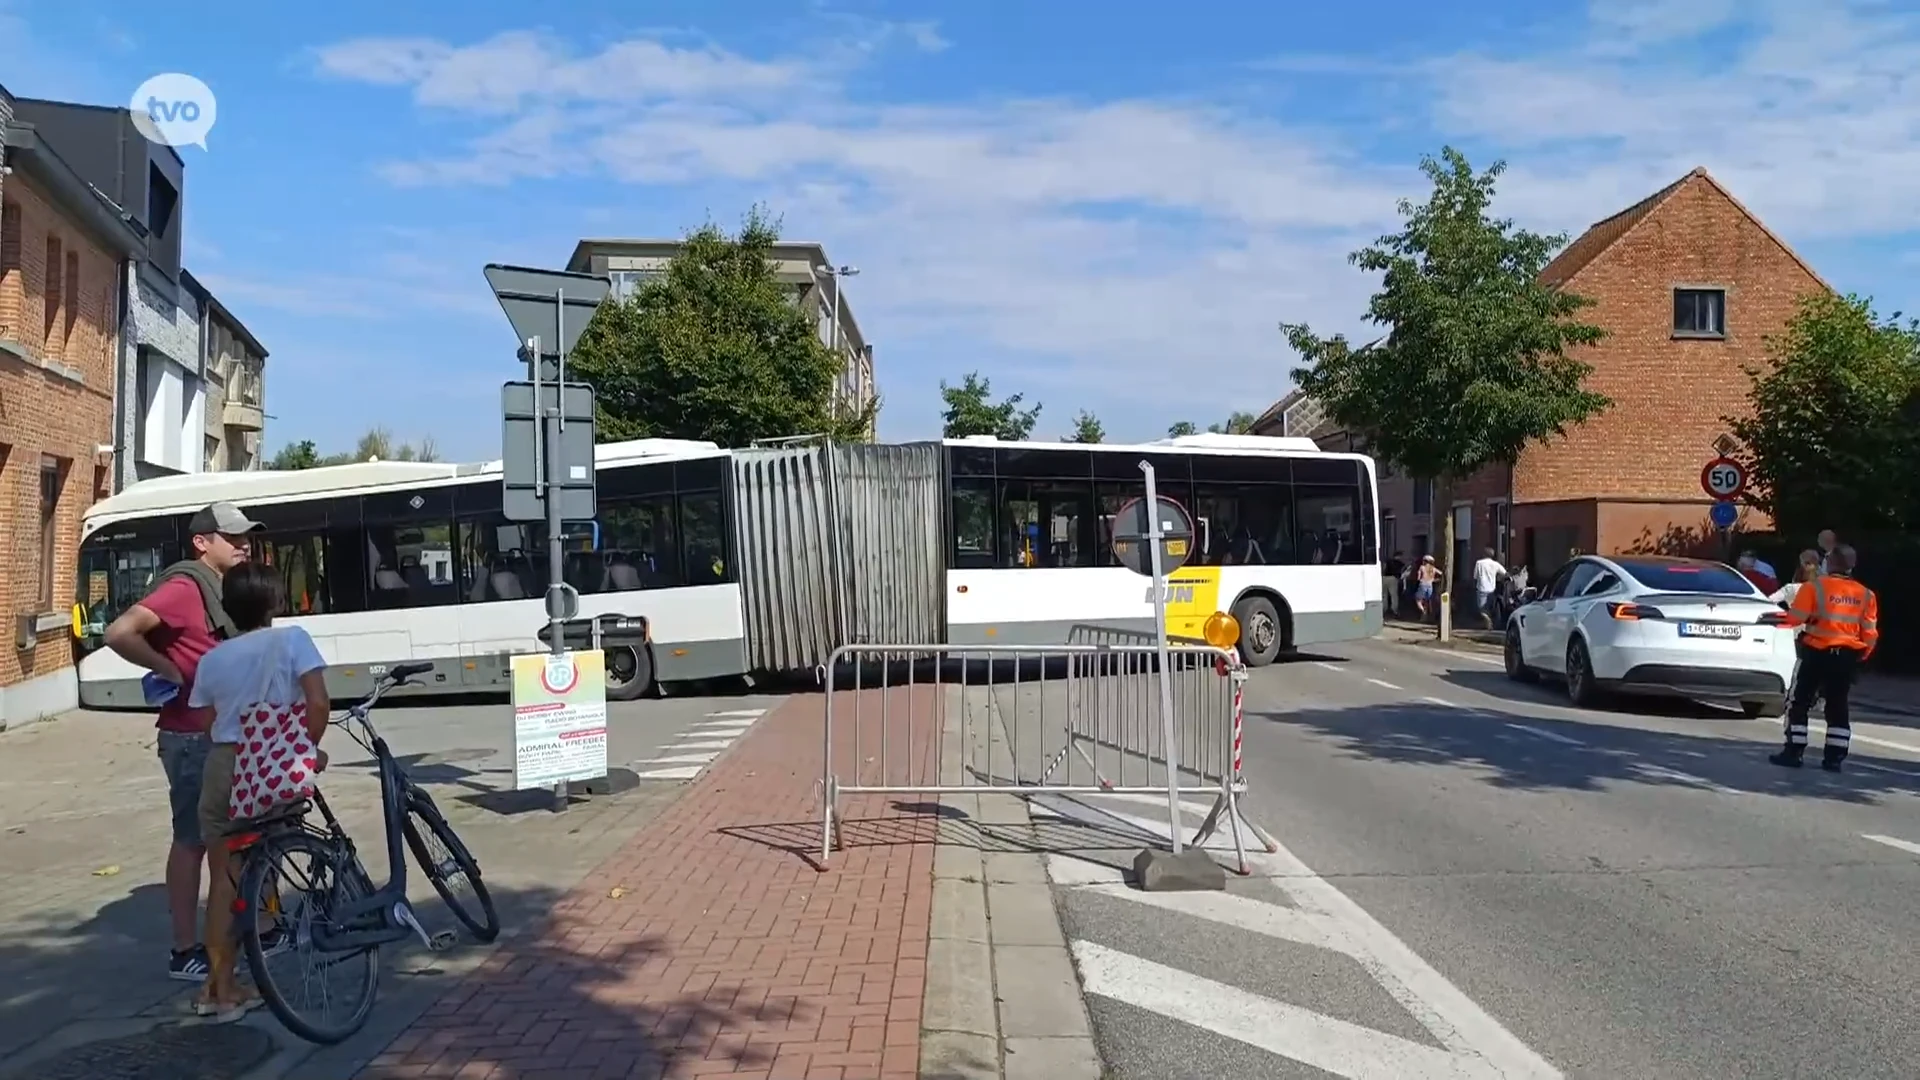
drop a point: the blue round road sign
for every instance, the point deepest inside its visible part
(1724, 515)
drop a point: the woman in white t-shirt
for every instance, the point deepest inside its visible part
(263, 665)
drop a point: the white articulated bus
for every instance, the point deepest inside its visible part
(707, 563)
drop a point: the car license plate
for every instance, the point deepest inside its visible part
(1709, 630)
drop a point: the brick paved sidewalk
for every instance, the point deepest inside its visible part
(711, 945)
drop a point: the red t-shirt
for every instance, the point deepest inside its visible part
(1762, 581)
(183, 637)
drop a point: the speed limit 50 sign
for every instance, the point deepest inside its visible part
(1723, 478)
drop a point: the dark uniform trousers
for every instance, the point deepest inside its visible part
(1824, 673)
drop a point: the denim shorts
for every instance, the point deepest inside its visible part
(184, 757)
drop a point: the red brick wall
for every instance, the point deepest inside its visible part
(1669, 395)
(44, 412)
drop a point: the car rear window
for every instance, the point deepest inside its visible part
(1700, 577)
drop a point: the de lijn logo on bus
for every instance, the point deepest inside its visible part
(559, 674)
(174, 109)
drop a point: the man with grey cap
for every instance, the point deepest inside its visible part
(167, 632)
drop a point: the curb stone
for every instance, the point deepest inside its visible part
(1003, 1000)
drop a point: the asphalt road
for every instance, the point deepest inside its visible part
(1476, 880)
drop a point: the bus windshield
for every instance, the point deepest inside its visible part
(113, 576)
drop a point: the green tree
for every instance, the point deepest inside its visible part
(714, 348)
(1832, 440)
(1086, 429)
(1475, 364)
(1181, 427)
(971, 410)
(297, 455)
(376, 443)
(1238, 423)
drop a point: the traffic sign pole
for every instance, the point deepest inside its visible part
(1158, 563)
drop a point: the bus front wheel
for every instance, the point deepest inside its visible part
(1261, 633)
(629, 672)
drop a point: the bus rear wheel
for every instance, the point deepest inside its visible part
(1261, 632)
(629, 672)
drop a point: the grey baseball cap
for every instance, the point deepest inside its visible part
(223, 518)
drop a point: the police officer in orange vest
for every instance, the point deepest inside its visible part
(1841, 617)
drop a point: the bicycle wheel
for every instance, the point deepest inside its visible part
(446, 862)
(300, 880)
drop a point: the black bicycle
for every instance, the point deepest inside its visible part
(309, 882)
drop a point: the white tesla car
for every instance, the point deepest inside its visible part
(1651, 625)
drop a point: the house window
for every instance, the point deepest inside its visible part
(1389, 535)
(71, 292)
(53, 473)
(9, 238)
(1700, 313)
(52, 294)
(1423, 496)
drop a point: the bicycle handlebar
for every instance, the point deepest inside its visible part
(397, 675)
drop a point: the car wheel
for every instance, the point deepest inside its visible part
(1260, 630)
(1517, 668)
(1581, 690)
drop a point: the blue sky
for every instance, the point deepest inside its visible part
(1105, 205)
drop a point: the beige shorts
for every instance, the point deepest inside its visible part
(216, 793)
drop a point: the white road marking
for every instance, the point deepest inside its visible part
(1857, 737)
(1443, 701)
(1685, 778)
(723, 726)
(1384, 683)
(680, 759)
(720, 745)
(739, 712)
(1289, 1031)
(1907, 846)
(1488, 660)
(684, 772)
(1550, 736)
(1455, 1021)
(1871, 767)
(1240, 912)
(1327, 665)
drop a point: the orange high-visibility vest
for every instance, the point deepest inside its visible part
(1838, 612)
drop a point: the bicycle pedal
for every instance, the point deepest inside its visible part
(442, 941)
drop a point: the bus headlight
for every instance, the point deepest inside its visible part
(1222, 631)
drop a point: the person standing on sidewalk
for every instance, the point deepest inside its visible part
(1842, 618)
(166, 633)
(1486, 581)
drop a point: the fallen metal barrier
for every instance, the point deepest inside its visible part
(1075, 719)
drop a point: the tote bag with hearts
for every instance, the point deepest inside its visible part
(275, 763)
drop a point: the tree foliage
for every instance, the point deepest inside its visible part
(1086, 429)
(1833, 438)
(970, 410)
(1474, 364)
(1181, 427)
(377, 443)
(1237, 423)
(714, 348)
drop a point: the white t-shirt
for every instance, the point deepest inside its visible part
(236, 675)
(1486, 575)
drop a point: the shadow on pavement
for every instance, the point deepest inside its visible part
(1606, 756)
(554, 994)
(1549, 692)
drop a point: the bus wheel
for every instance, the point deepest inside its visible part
(1260, 630)
(629, 672)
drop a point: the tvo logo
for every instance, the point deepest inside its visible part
(174, 110)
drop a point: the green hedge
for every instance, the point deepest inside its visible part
(1889, 565)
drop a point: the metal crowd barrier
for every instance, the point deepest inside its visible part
(1075, 719)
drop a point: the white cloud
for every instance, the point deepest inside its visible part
(1136, 253)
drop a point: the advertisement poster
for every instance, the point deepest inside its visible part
(559, 718)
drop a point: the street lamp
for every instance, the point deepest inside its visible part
(833, 326)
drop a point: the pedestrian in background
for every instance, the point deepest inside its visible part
(1763, 580)
(1487, 573)
(1826, 542)
(1425, 579)
(1842, 618)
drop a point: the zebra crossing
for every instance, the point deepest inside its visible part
(689, 754)
(1193, 981)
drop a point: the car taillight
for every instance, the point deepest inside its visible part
(1632, 612)
(1776, 618)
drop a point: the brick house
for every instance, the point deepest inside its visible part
(64, 254)
(1688, 284)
